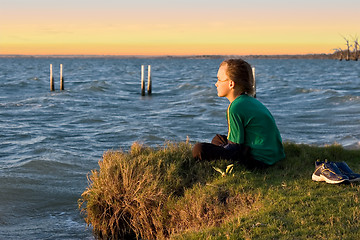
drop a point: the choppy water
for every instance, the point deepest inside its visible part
(49, 141)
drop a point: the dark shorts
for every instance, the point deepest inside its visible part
(221, 148)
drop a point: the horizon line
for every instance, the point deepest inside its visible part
(168, 55)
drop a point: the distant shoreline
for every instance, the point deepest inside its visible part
(275, 56)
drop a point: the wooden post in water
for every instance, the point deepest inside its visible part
(142, 81)
(254, 83)
(51, 79)
(61, 78)
(149, 80)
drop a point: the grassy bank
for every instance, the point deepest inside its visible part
(164, 194)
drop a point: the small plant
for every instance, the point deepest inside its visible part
(227, 172)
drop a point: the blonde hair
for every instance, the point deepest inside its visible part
(240, 72)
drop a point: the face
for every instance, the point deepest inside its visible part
(223, 85)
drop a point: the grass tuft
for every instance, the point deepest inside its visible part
(163, 193)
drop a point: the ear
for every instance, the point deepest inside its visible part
(231, 84)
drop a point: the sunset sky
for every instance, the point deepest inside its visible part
(176, 27)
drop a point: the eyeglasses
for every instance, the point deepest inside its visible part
(223, 80)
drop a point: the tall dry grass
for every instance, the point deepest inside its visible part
(208, 206)
(154, 193)
(125, 197)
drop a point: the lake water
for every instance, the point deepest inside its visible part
(51, 140)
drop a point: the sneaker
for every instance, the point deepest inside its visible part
(328, 172)
(345, 169)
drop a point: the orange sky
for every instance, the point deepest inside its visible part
(159, 27)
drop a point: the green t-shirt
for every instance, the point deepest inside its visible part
(252, 124)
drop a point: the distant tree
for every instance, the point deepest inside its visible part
(339, 53)
(347, 58)
(356, 52)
